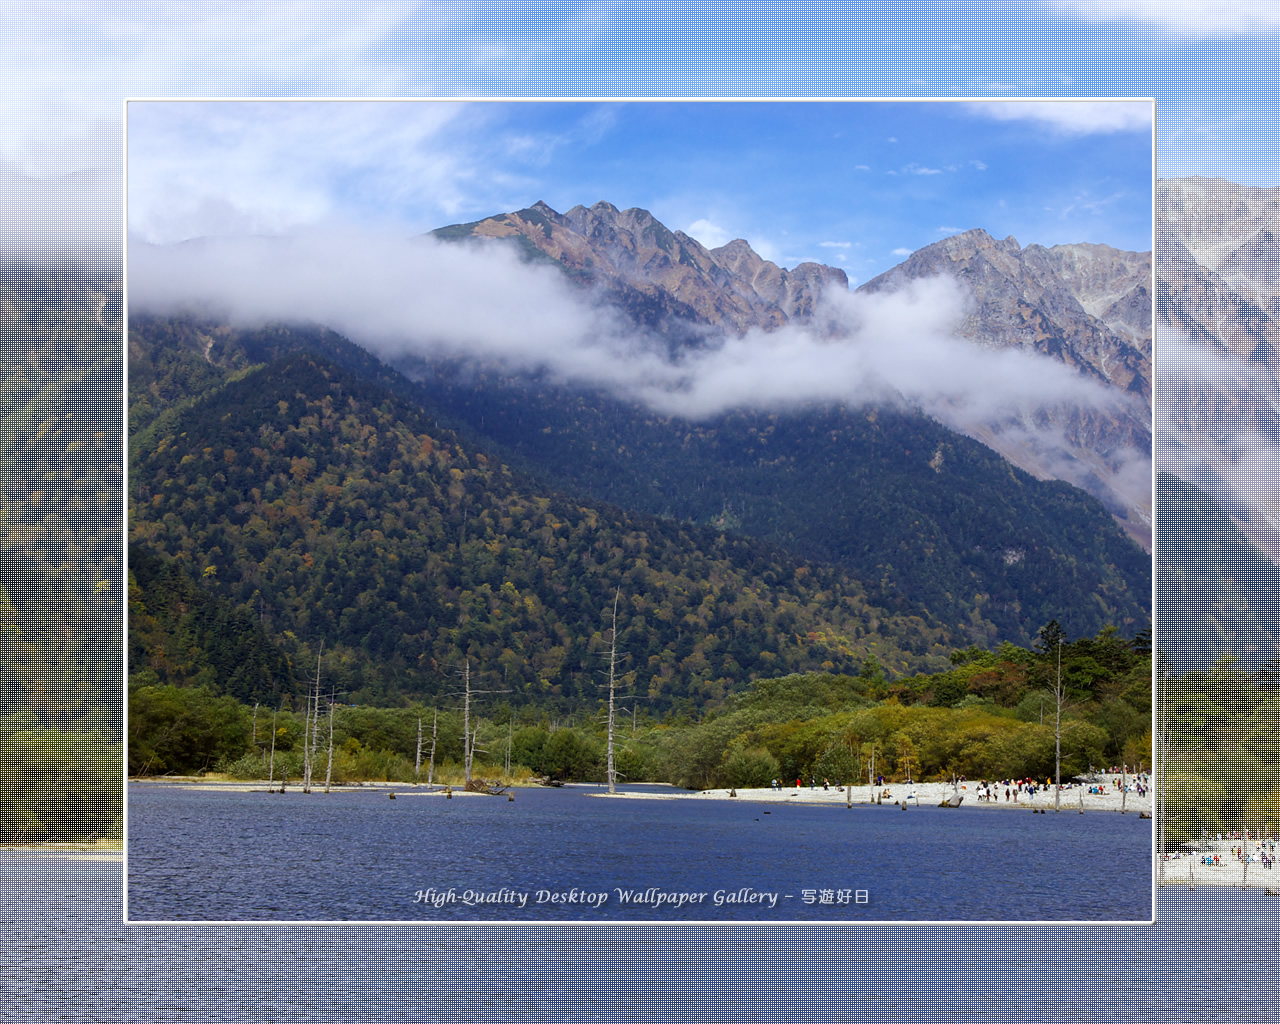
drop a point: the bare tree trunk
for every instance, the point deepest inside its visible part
(466, 724)
(611, 771)
(848, 783)
(417, 760)
(271, 773)
(309, 731)
(1057, 734)
(328, 770)
(306, 744)
(315, 726)
(431, 764)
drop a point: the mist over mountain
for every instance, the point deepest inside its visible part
(1042, 354)
(1218, 594)
(664, 280)
(1218, 308)
(610, 359)
(1084, 306)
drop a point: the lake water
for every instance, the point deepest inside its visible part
(211, 854)
(67, 956)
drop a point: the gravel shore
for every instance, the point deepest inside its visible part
(923, 794)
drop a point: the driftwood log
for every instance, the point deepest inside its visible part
(481, 786)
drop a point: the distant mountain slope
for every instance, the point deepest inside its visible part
(1084, 304)
(60, 488)
(1219, 314)
(1087, 306)
(663, 279)
(325, 507)
(927, 517)
(933, 523)
(1218, 594)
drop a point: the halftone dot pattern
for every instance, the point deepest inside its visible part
(1219, 592)
(60, 551)
(68, 956)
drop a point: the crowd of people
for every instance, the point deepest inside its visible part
(1122, 781)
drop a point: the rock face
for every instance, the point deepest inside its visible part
(1088, 306)
(1218, 307)
(663, 279)
(1085, 305)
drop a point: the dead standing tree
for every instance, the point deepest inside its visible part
(1052, 637)
(610, 770)
(311, 726)
(468, 737)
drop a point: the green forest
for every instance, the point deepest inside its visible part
(342, 515)
(1218, 727)
(990, 715)
(61, 557)
(931, 523)
(254, 539)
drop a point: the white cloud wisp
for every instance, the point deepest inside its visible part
(423, 298)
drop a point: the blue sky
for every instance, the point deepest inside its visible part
(857, 185)
(1206, 62)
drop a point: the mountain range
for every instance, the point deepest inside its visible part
(1085, 306)
(662, 279)
(265, 463)
(1219, 314)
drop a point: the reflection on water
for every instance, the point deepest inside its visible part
(68, 956)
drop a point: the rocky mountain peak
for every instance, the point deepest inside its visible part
(1219, 296)
(1082, 304)
(661, 276)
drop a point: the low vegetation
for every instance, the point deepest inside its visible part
(992, 715)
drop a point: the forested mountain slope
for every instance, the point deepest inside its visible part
(325, 508)
(932, 523)
(1219, 595)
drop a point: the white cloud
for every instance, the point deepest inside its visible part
(198, 169)
(399, 297)
(1181, 19)
(61, 216)
(1218, 420)
(901, 251)
(73, 63)
(1072, 117)
(836, 245)
(711, 235)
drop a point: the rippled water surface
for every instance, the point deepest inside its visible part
(213, 854)
(67, 956)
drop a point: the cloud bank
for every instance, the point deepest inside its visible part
(401, 297)
(1073, 117)
(426, 299)
(1218, 421)
(1182, 19)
